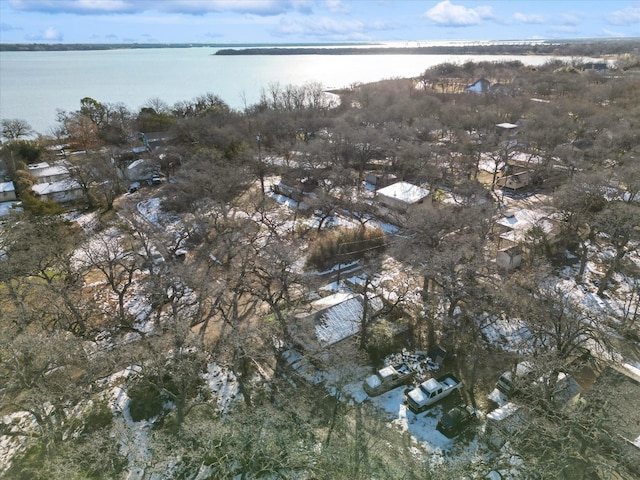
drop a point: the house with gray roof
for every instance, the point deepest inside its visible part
(63, 191)
(45, 173)
(331, 320)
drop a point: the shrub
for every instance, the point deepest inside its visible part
(380, 340)
(383, 338)
(146, 403)
(98, 417)
(344, 245)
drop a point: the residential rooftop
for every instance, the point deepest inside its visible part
(405, 192)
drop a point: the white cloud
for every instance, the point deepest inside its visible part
(336, 6)
(6, 27)
(191, 7)
(48, 35)
(75, 6)
(447, 14)
(572, 18)
(528, 18)
(567, 28)
(628, 16)
(329, 28)
(611, 33)
(320, 26)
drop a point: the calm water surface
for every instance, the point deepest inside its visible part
(33, 85)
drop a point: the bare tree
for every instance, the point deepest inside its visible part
(110, 256)
(45, 375)
(620, 222)
(13, 129)
(580, 201)
(561, 330)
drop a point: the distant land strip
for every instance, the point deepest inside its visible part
(62, 47)
(573, 47)
(552, 48)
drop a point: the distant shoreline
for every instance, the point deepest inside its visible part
(569, 48)
(440, 50)
(64, 47)
(577, 47)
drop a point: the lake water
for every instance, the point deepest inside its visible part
(33, 85)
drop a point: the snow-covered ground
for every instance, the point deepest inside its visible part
(11, 445)
(133, 436)
(348, 386)
(509, 334)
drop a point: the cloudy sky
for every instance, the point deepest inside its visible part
(295, 21)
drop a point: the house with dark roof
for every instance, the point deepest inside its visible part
(142, 170)
(482, 85)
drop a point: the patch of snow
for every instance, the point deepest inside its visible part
(21, 425)
(223, 384)
(150, 210)
(387, 228)
(488, 164)
(511, 334)
(133, 437)
(139, 308)
(497, 397)
(422, 427)
(286, 201)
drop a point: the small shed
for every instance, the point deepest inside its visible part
(404, 196)
(515, 181)
(437, 354)
(509, 258)
(7, 192)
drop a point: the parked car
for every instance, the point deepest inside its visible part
(456, 420)
(387, 379)
(510, 380)
(431, 391)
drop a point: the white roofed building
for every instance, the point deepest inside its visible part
(334, 319)
(7, 192)
(45, 173)
(521, 231)
(63, 191)
(404, 196)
